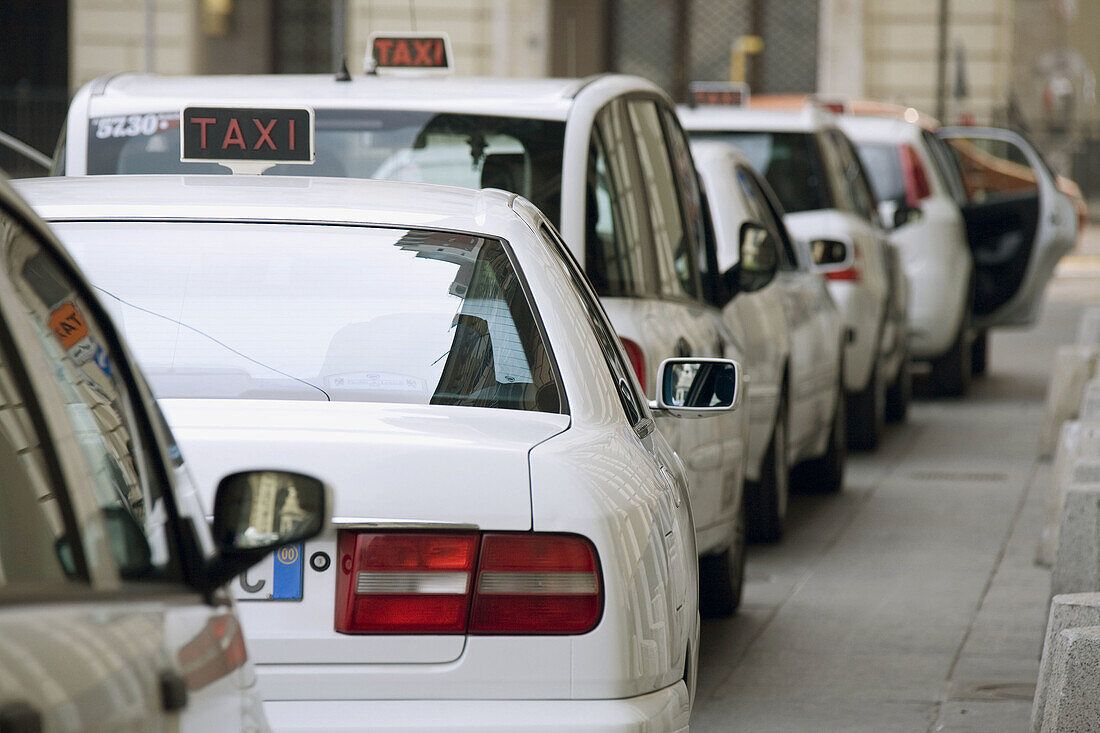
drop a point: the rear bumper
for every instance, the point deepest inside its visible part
(660, 711)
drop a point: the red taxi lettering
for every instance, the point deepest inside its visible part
(401, 56)
(383, 47)
(233, 136)
(424, 56)
(202, 122)
(265, 134)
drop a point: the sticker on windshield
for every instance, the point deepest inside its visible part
(67, 325)
(135, 125)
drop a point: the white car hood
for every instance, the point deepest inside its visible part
(388, 462)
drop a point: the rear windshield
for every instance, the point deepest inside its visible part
(314, 312)
(789, 160)
(883, 165)
(472, 151)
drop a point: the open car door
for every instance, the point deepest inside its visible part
(1017, 222)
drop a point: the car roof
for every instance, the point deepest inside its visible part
(549, 99)
(878, 129)
(718, 119)
(290, 199)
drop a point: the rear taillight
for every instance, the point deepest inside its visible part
(916, 180)
(849, 274)
(420, 583)
(637, 359)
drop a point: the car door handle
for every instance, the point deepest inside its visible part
(173, 691)
(20, 717)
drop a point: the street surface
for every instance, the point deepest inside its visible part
(911, 601)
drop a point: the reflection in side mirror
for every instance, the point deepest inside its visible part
(834, 258)
(262, 510)
(759, 258)
(258, 511)
(897, 213)
(698, 387)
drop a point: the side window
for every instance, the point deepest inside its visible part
(690, 193)
(101, 415)
(674, 244)
(758, 204)
(857, 189)
(632, 402)
(615, 235)
(946, 166)
(34, 525)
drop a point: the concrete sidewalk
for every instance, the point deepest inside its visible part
(911, 601)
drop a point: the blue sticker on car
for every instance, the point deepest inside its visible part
(287, 580)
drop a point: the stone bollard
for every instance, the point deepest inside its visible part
(1077, 563)
(1088, 328)
(1066, 612)
(1073, 700)
(1079, 440)
(1073, 367)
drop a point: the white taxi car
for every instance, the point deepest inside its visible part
(980, 221)
(604, 158)
(113, 609)
(795, 341)
(514, 545)
(817, 176)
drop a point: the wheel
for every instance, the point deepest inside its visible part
(951, 372)
(825, 475)
(766, 499)
(979, 353)
(899, 393)
(867, 412)
(722, 576)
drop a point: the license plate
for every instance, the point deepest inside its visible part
(276, 578)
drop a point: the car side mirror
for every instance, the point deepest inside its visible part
(759, 258)
(256, 512)
(898, 213)
(698, 387)
(831, 255)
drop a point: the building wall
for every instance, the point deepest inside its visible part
(106, 36)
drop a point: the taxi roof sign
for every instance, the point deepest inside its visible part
(409, 54)
(718, 93)
(246, 139)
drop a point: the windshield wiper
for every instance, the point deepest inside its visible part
(225, 346)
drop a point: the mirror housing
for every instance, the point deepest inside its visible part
(831, 255)
(758, 258)
(694, 387)
(256, 512)
(897, 213)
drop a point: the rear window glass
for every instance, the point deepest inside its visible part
(883, 164)
(313, 312)
(789, 160)
(472, 151)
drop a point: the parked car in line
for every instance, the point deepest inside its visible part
(604, 158)
(816, 173)
(981, 220)
(114, 613)
(515, 546)
(794, 341)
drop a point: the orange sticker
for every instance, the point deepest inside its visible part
(68, 325)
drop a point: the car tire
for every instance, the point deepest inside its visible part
(722, 576)
(765, 501)
(979, 354)
(900, 393)
(825, 475)
(867, 412)
(951, 372)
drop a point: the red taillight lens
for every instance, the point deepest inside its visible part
(404, 583)
(916, 180)
(637, 359)
(414, 583)
(536, 584)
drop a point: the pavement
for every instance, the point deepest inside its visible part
(910, 601)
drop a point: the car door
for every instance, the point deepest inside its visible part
(1018, 223)
(186, 654)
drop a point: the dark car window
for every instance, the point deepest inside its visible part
(756, 200)
(855, 181)
(946, 166)
(615, 231)
(791, 161)
(883, 164)
(673, 242)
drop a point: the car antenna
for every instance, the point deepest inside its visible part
(342, 74)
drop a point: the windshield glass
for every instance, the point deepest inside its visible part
(789, 160)
(473, 151)
(314, 312)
